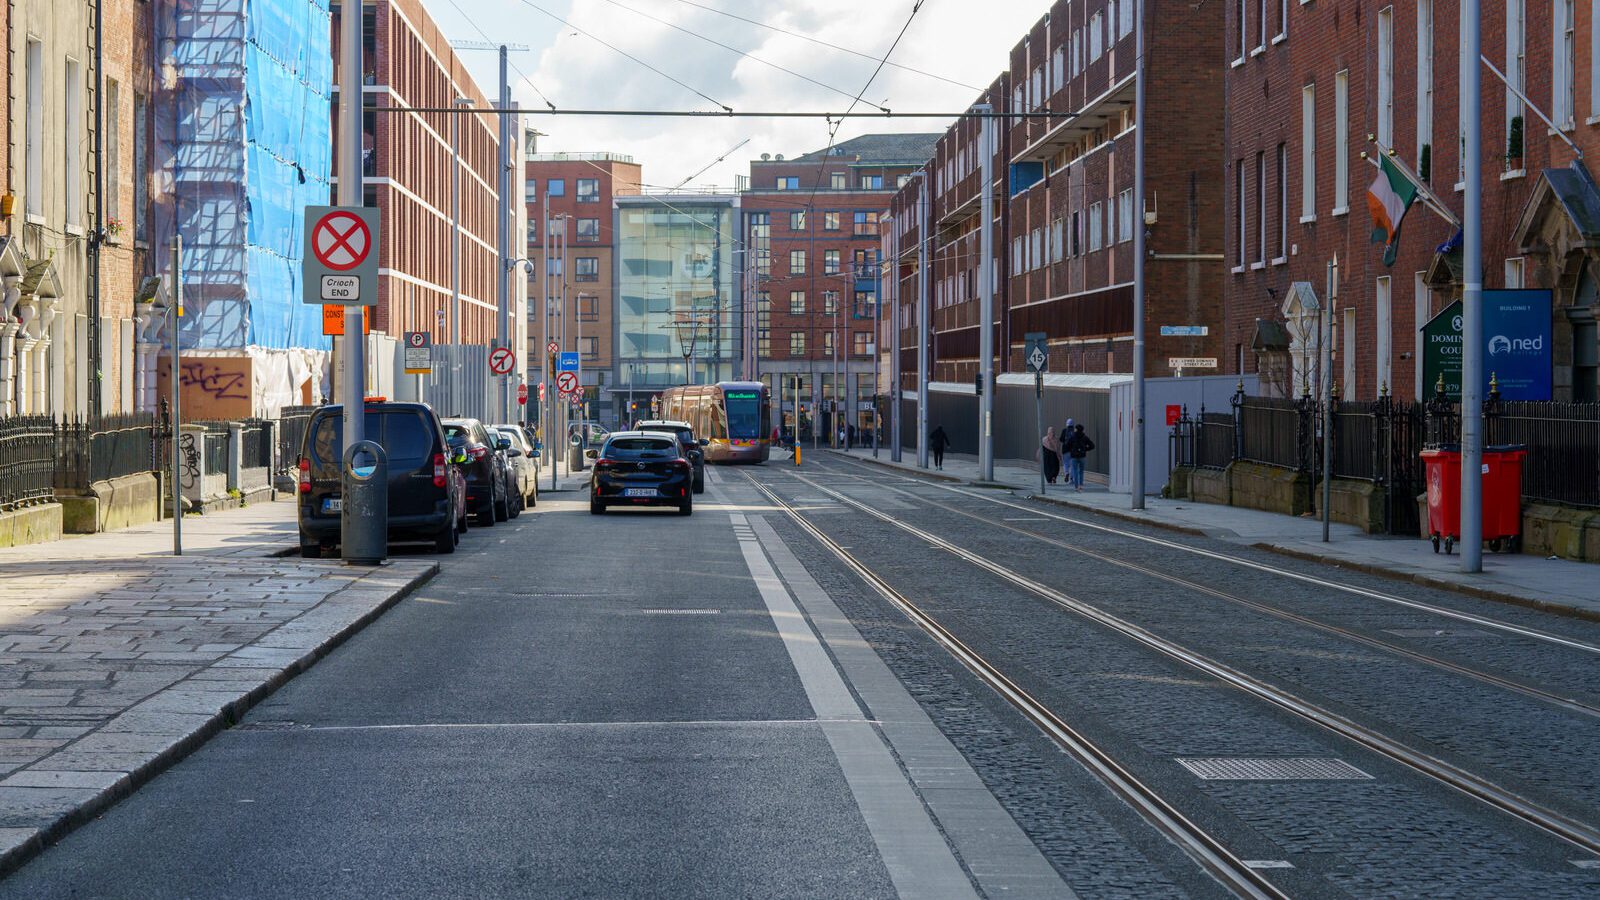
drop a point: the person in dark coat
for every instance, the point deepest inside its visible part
(937, 442)
(1050, 450)
(1077, 446)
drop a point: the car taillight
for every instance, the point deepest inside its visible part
(305, 476)
(681, 463)
(438, 470)
(602, 464)
(478, 452)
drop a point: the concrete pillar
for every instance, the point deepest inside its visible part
(235, 455)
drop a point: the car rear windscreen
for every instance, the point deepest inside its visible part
(405, 435)
(641, 447)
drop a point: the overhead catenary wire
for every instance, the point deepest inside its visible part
(591, 36)
(727, 113)
(518, 69)
(823, 43)
(749, 56)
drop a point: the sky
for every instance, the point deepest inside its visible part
(571, 65)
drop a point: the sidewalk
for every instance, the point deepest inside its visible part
(1557, 585)
(117, 658)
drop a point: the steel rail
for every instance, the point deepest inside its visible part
(1568, 703)
(1558, 824)
(1496, 624)
(1207, 851)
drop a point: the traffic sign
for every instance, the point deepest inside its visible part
(541, 392)
(1184, 331)
(339, 265)
(522, 395)
(502, 360)
(1037, 354)
(1192, 362)
(553, 347)
(418, 352)
(569, 361)
(567, 382)
(333, 321)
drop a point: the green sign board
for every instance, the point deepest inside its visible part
(1441, 352)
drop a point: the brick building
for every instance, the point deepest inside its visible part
(812, 226)
(1297, 182)
(1064, 214)
(573, 192)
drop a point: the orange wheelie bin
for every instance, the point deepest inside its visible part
(1502, 496)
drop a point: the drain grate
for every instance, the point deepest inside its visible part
(680, 612)
(1235, 768)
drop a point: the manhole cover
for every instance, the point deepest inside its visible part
(680, 612)
(1234, 768)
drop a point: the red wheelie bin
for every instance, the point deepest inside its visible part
(1502, 496)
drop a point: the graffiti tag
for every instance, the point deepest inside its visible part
(189, 467)
(211, 379)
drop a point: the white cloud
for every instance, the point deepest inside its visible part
(948, 37)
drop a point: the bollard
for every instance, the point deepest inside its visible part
(797, 454)
(364, 512)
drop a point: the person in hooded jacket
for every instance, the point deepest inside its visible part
(1050, 451)
(937, 442)
(1077, 446)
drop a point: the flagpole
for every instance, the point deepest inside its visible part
(1429, 198)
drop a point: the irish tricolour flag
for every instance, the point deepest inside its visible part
(1389, 197)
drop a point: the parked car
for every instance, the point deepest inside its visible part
(487, 494)
(694, 449)
(524, 463)
(640, 468)
(592, 433)
(427, 488)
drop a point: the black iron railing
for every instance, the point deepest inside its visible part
(105, 447)
(1563, 444)
(27, 460)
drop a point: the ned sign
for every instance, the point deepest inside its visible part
(1516, 325)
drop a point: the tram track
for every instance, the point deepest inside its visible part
(1571, 704)
(1567, 828)
(1209, 852)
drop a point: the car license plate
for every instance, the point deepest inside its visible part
(639, 492)
(332, 505)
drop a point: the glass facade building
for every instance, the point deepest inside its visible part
(678, 276)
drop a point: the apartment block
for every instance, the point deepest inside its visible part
(1316, 93)
(568, 196)
(813, 280)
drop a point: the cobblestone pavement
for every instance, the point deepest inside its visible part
(1387, 831)
(116, 658)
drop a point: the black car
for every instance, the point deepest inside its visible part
(640, 468)
(693, 449)
(426, 491)
(487, 476)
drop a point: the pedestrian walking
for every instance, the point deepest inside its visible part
(1050, 451)
(1077, 446)
(937, 442)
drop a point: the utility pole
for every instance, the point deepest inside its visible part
(1325, 339)
(354, 340)
(503, 235)
(1136, 483)
(894, 342)
(177, 396)
(924, 333)
(1472, 295)
(96, 348)
(986, 297)
(455, 223)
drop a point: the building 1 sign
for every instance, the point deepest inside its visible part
(1516, 325)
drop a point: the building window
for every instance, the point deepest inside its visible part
(1238, 211)
(1077, 233)
(588, 308)
(830, 221)
(72, 143)
(797, 220)
(1058, 232)
(589, 347)
(901, 181)
(860, 343)
(830, 302)
(797, 262)
(1261, 42)
(872, 182)
(1283, 20)
(1261, 208)
(141, 170)
(1386, 77)
(797, 343)
(1125, 26)
(1564, 63)
(113, 149)
(1125, 221)
(1383, 318)
(838, 180)
(1516, 74)
(556, 187)
(552, 266)
(866, 304)
(1341, 142)
(33, 200)
(588, 229)
(530, 191)
(797, 303)
(1514, 273)
(586, 268)
(1280, 252)
(1308, 153)
(1244, 29)
(1594, 65)
(830, 262)
(866, 223)
(1095, 224)
(827, 343)
(1097, 33)
(764, 324)
(1077, 51)
(533, 232)
(788, 183)
(1424, 88)
(588, 190)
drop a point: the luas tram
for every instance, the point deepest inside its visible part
(735, 416)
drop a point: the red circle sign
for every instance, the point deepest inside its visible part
(567, 382)
(501, 361)
(522, 394)
(341, 241)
